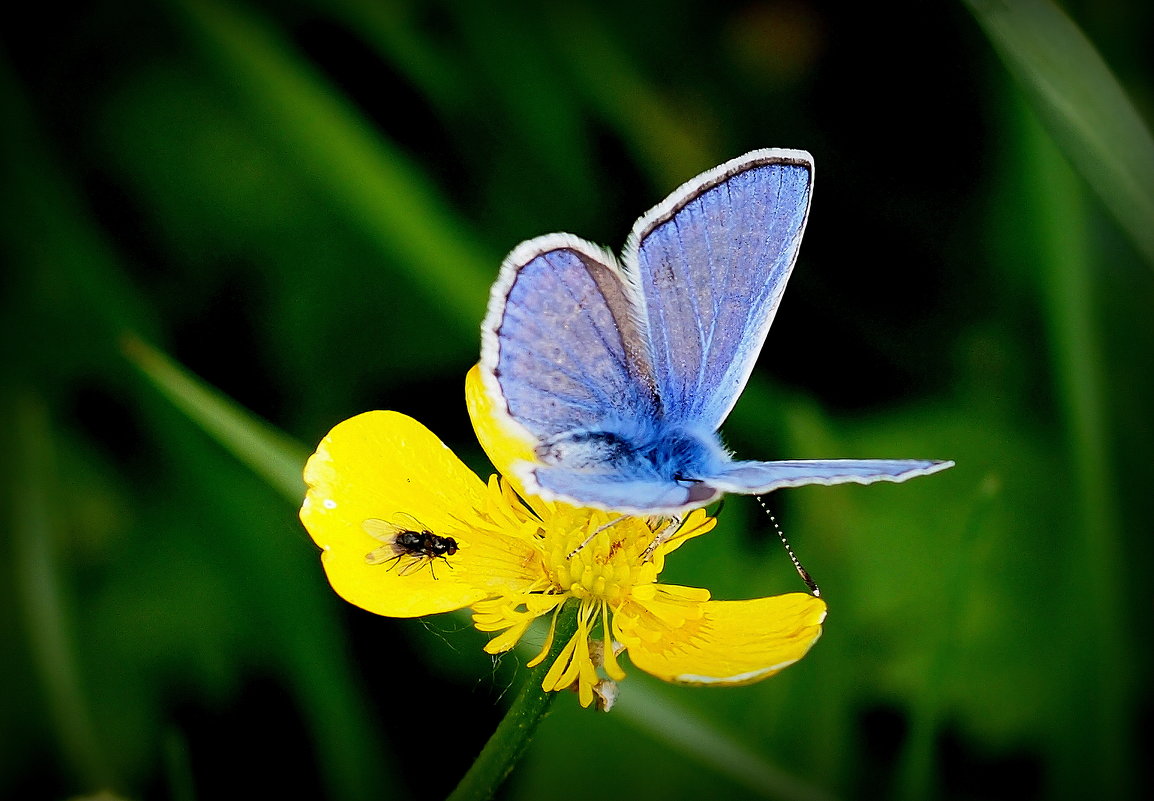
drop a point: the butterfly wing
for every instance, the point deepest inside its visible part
(641, 495)
(759, 477)
(560, 350)
(708, 267)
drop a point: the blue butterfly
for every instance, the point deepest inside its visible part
(621, 372)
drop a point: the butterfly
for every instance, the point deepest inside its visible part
(621, 371)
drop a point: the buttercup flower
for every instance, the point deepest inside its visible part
(408, 530)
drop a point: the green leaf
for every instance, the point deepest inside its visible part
(1081, 104)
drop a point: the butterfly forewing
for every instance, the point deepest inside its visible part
(710, 264)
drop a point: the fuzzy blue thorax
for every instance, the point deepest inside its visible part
(664, 452)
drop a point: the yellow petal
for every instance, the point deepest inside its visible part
(378, 466)
(725, 643)
(505, 442)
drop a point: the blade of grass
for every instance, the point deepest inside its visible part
(1066, 269)
(42, 589)
(273, 456)
(361, 172)
(1082, 105)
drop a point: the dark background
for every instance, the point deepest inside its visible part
(303, 203)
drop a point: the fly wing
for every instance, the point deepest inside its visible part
(387, 530)
(708, 267)
(383, 530)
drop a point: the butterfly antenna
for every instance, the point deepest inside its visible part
(801, 571)
(589, 539)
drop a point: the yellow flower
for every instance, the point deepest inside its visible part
(408, 530)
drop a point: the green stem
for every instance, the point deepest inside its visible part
(512, 735)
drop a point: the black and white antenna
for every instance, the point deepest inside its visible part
(801, 571)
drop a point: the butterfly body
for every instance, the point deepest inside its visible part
(620, 372)
(666, 453)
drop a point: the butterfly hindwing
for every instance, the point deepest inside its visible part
(760, 477)
(622, 492)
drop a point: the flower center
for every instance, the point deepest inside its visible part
(599, 556)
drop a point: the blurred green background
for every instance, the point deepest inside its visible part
(304, 203)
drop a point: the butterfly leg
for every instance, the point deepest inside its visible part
(663, 535)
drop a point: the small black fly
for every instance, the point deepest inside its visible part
(408, 545)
